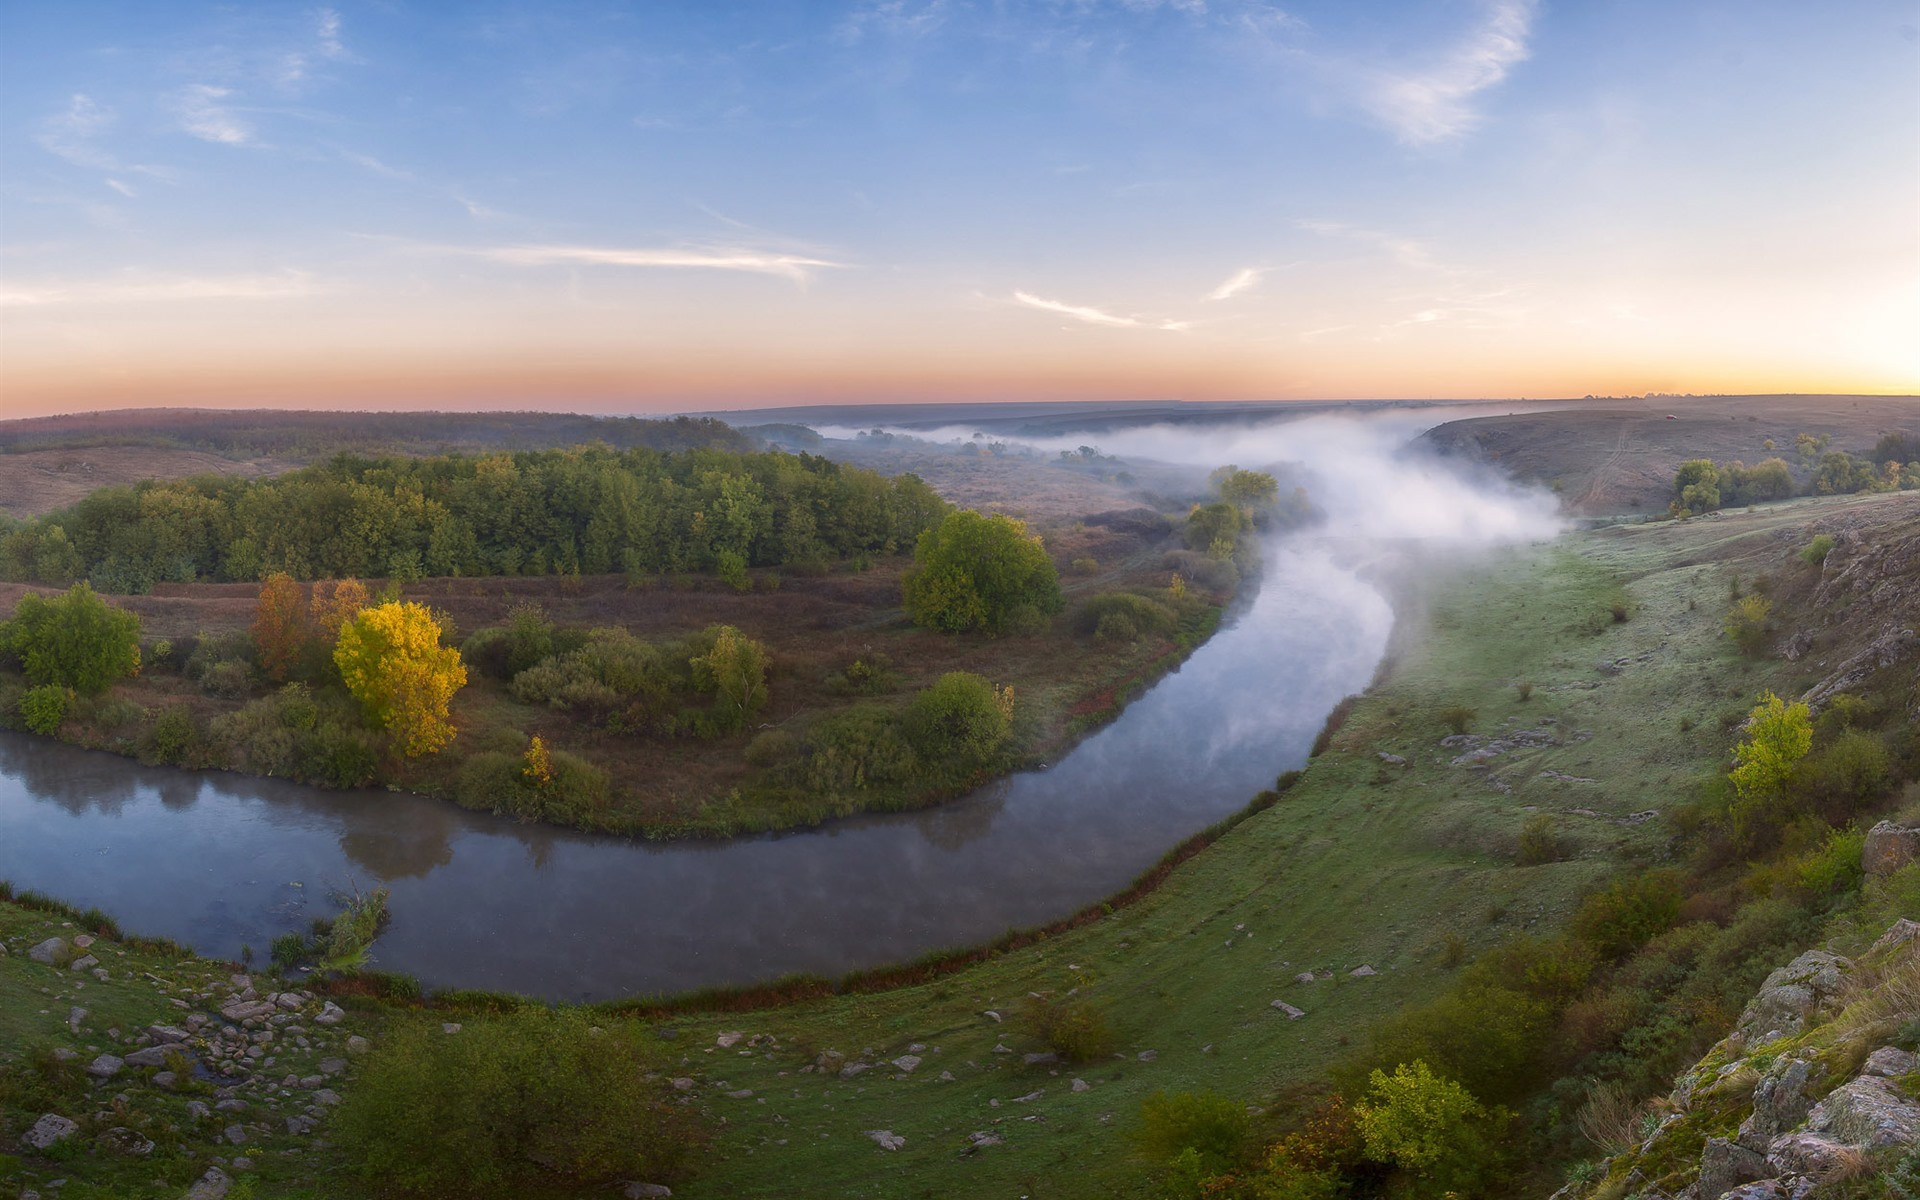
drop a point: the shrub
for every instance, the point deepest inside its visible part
(868, 675)
(1844, 777)
(856, 749)
(1124, 617)
(961, 719)
(1086, 566)
(975, 572)
(1208, 1125)
(1458, 717)
(340, 755)
(1629, 913)
(1835, 866)
(1524, 690)
(1815, 552)
(1427, 1125)
(391, 659)
(44, 708)
(735, 671)
(1073, 1027)
(171, 738)
(1214, 574)
(75, 641)
(511, 1104)
(1746, 624)
(1538, 841)
(228, 679)
(771, 747)
(1778, 737)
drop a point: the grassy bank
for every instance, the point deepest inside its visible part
(1594, 687)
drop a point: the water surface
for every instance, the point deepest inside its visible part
(215, 860)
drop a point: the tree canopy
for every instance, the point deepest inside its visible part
(391, 659)
(974, 571)
(76, 641)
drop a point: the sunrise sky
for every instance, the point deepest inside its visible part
(663, 206)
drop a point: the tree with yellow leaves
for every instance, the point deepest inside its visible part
(335, 602)
(391, 659)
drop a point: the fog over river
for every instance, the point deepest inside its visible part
(216, 860)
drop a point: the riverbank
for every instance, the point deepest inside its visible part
(1596, 688)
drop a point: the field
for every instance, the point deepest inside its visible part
(38, 481)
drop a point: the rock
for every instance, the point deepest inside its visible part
(828, 1062)
(1045, 1056)
(235, 1133)
(1392, 760)
(450, 1027)
(886, 1139)
(1898, 934)
(636, 1190)
(1002, 1048)
(153, 1056)
(1780, 1102)
(326, 1096)
(728, 1041)
(231, 1105)
(981, 1139)
(198, 1110)
(1148, 1055)
(1725, 1165)
(1771, 1189)
(1791, 995)
(299, 1125)
(907, 1062)
(1293, 1014)
(946, 1077)
(288, 1001)
(237, 1011)
(1081, 1085)
(1029, 1097)
(1867, 1112)
(1806, 1153)
(121, 1140)
(165, 1079)
(358, 1045)
(83, 940)
(991, 1016)
(75, 1015)
(49, 1129)
(1889, 1061)
(85, 962)
(330, 1014)
(48, 951)
(1362, 972)
(211, 1186)
(683, 1084)
(1304, 977)
(740, 1094)
(167, 1033)
(332, 1066)
(854, 1068)
(105, 1067)
(1888, 848)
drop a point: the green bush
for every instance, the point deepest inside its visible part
(1539, 843)
(1430, 1127)
(978, 572)
(1746, 624)
(76, 641)
(1073, 1027)
(1843, 778)
(962, 719)
(858, 748)
(771, 747)
(610, 668)
(340, 755)
(172, 738)
(1816, 551)
(1124, 617)
(1835, 866)
(511, 1104)
(228, 679)
(44, 708)
(1629, 913)
(1458, 717)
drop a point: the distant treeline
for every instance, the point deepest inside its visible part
(591, 509)
(311, 436)
(1701, 485)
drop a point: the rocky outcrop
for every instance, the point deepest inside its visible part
(1809, 1079)
(1889, 847)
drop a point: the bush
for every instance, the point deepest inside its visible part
(1629, 913)
(1071, 1026)
(511, 1104)
(44, 708)
(1427, 1125)
(961, 719)
(975, 572)
(856, 749)
(1210, 1126)
(1835, 866)
(229, 679)
(1214, 529)
(1086, 566)
(1838, 781)
(1815, 552)
(1458, 717)
(1124, 617)
(75, 641)
(1538, 841)
(340, 755)
(771, 747)
(1746, 624)
(172, 738)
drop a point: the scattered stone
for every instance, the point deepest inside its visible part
(332, 1066)
(886, 1139)
(1002, 1048)
(83, 940)
(1081, 1085)
(1293, 1014)
(105, 1067)
(121, 1140)
(448, 1027)
(211, 1186)
(1045, 1056)
(299, 1125)
(288, 1001)
(981, 1139)
(198, 1110)
(1725, 1165)
(728, 1041)
(1891, 1062)
(238, 1011)
(907, 1062)
(85, 962)
(330, 1014)
(231, 1105)
(946, 1077)
(48, 951)
(636, 1190)
(1304, 977)
(1392, 760)
(48, 1130)
(74, 1017)
(683, 1084)
(1148, 1055)
(165, 1079)
(1361, 972)
(740, 1094)
(854, 1068)
(1889, 847)
(153, 1056)
(326, 1096)
(167, 1033)
(357, 1045)
(243, 1164)
(992, 1016)
(235, 1133)
(1028, 1097)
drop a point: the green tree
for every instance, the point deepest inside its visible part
(1428, 1126)
(961, 718)
(1746, 623)
(1696, 485)
(736, 671)
(77, 641)
(1214, 528)
(974, 571)
(1778, 737)
(1245, 490)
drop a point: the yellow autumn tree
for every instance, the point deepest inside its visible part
(391, 659)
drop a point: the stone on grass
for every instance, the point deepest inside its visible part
(1361, 972)
(167, 1033)
(153, 1056)
(358, 1045)
(211, 1186)
(1045, 1056)
(105, 1067)
(330, 1014)
(48, 951)
(886, 1139)
(48, 1130)
(1081, 1085)
(121, 1140)
(1725, 1165)
(1891, 1062)
(907, 1062)
(1889, 847)
(235, 1133)
(635, 1190)
(728, 1041)
(85, 962)
(1293, 1014)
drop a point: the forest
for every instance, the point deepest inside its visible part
(587, 510)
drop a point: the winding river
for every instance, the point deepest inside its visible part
(217, 861)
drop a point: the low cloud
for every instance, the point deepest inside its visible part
(786, 266)
(161, 288)
(1240, 281)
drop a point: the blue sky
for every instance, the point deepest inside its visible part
(652, 206)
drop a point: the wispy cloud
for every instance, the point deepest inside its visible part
(1433, 103)
(202, 114)
(70, 134)
(1095, 316)
(786, 266)
(1239, 281)
(1405, 250)
(327, 33)
(150, 288)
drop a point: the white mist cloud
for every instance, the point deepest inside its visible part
(1434, 102)
(1236, 283)
(787, 266)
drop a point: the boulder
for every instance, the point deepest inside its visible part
(330, 1014)
(167, 1033)
(1362, 972)
(1791, 995)
(237, 1011)
(728, 1041)
(1899, 933)
(1725, 1165)
(1293, 1014)
(121, 1140)
(48, 951)
(357, 1045)
(1867, 1112)
(827, 1062)
(48, 1130)
(211, 1186)
(1889, 847)
(1081, 1085)
(154, 1056)
(886, 1139)
(1891, 1061)
(85, 962)
(1771, 1189)
(1780, 1102)
(105, 1067)
(1807, 1153)
(907, 1062)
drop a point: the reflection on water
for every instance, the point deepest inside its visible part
(216, 860)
